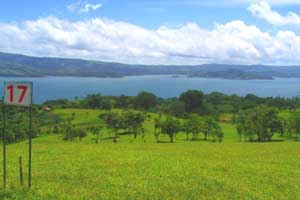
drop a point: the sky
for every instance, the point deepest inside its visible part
(187, 32)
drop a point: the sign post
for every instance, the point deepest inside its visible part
(30, 146)
(4, 147)
(18, 94)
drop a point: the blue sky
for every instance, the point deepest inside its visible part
(146, 13)
(176, 31)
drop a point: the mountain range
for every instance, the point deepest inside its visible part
(28, 66)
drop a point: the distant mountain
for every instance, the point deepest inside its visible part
(231, 74)
(24, 66)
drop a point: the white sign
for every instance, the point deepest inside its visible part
(18, 93)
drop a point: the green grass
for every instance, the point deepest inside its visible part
(132, 169)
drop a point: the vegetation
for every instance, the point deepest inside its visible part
(96, 130)
(170, 127)
(87, 148)
(85, 170)
(261, 121)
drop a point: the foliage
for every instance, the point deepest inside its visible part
(66, 170)
(17, 123)
(72, 133)
(211, 127)
(261, 121)
(170, 126)
(193, 100)
(96, 130)
(293, 123)
(145, 100)
(194, 125)
(114, 121)
(134, 122)
(157, 128)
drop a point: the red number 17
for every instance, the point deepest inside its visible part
(10, 88)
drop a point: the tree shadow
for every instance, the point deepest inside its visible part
(271, 141)
(164, 142)
(108, 138)
(125, 133)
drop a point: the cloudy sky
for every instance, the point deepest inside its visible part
(155, 31)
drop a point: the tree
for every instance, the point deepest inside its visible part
(96, 130)
(217, 133)
(172, 107)
(262, 121)
(193, 100)
(123, 101)
(67, 129)
(243, 125)
(210, 127)
(73, 133)
(114, 121)
(134, 122)
(80, 133)
(170, 127)
(106, 104)
(194, 125)
(294, 123)
(157, 128)
(93, 101)
(145, 100)
(220, 136)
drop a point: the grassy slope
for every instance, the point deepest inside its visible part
(137, 170)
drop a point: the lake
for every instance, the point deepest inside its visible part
(49, 88)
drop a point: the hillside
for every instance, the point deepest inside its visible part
(132, 169)
(20, 65)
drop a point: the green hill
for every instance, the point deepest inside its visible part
(132, 169)
(21, 65)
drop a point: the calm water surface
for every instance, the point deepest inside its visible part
(48, 88)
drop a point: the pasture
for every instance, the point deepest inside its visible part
(144, 169)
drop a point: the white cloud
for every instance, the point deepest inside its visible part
(264, 11)
(104, 39)
(271, 2)
(231, 2)
(83, 7)
(88, 7)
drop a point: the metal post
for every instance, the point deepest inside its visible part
(4, 147)
(30, 146)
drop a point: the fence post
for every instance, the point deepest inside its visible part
(21, 171)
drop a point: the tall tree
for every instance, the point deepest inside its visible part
(96, 130)
(193, 125)
(93, 101)
(170, 127)
(114, 121)
(262, 121)
(134, 122)
(145, 100)
(193, 100)
(294, 123)
(210, 127)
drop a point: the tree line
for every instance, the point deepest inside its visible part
(132, 123)
(191, 101)
(263, 122)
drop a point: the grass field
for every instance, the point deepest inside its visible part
(132, 169)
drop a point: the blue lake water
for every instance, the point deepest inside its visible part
(49, 88)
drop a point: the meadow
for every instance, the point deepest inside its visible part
(144, 169)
